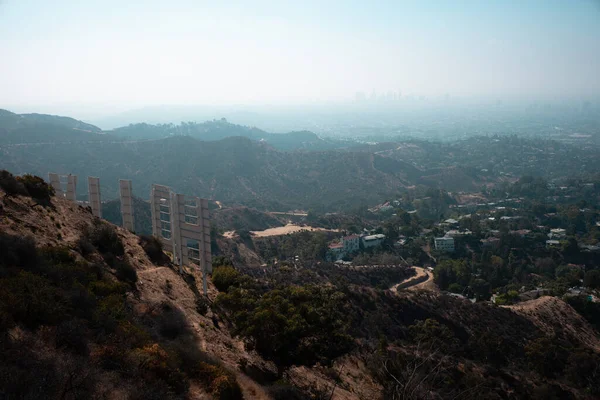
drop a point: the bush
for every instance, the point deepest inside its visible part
(188, 354)
(17, 251)
(155, 363)
(10, 184)
(293, 325)
(125, 272)
(285, 391)
(223, 277)
(154, 249)
(220, 382)
(171, 322)
(106, 240)
(106, 288)
(85, 246)
(202, 305)
(37, 188)
(31, 300)
(72, 335)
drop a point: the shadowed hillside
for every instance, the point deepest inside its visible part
(86, 312)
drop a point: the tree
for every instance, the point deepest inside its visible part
(225, 276)
(592, 279)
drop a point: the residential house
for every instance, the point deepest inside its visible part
(336, 251)
(351, 243)
(557, 233)
(373, 240)
(444, 243)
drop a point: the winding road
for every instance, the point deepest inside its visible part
(415, 282)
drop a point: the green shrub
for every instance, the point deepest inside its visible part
(154, 362)
(285, 391)
(224, 276)
(171, 322)
(10, 184)
(292, 325)
(125, 272)
(189, 356)
(106, 288)
(220, 382)
(202, 305)
(37, 188)
(72, 335)
(110, 311)
(85, 247)
(154, 249)
(105, 238)
(31, 300)
(17, 251)
(57, 254)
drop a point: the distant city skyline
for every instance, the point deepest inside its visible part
(99, 57)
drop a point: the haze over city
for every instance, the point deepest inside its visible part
(95, 58)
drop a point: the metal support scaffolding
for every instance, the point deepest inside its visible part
(182, 224)
(94, 196)
(126, 195)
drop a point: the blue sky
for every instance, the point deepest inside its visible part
(126, 54)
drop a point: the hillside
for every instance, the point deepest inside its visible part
(89, 310)
(221, 129)
(252, 170)
(41, 128)
(234, 170)
(244, 218)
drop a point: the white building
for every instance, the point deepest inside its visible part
(351, 243)
(444, 243)
(373, 240)
(557, 233)
(456, 233)
(336, 251)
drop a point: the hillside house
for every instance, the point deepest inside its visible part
(373, 240)
(351, 243)
(557, 233)
(444, 243)
(336, 251)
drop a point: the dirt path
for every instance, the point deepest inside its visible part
(426, 285)
(289, 228)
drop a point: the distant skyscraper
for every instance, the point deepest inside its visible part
(360, 97)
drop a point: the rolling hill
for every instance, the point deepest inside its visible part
(221, 129)
(233, 170)
(88, 311)
(41, 128)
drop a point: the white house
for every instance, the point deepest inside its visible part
(351, 243)
(336, 250)
(557, 233)
(373, 240)
(444, 243)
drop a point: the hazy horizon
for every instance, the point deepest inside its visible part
(102, 58)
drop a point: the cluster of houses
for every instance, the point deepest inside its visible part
(353, 243)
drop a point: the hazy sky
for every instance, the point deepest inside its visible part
(126, 54)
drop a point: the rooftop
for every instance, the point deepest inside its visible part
(374, 237)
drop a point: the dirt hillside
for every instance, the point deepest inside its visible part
(63, 224)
